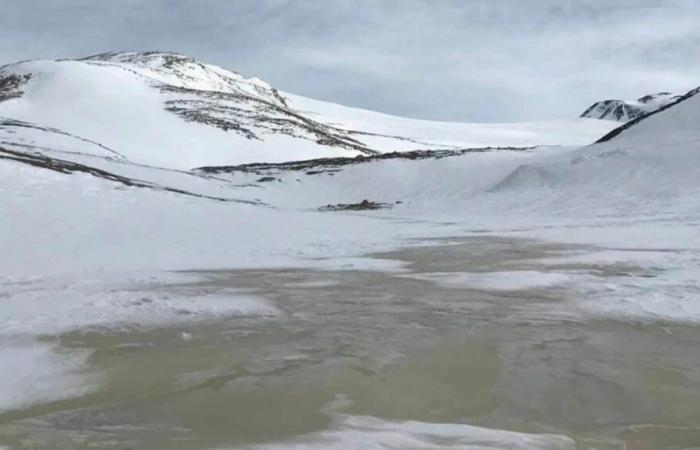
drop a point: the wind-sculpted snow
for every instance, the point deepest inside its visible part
(528, 176)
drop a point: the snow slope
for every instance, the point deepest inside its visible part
(648, 160)
(432, 134)
(168, 110)
(624, 111)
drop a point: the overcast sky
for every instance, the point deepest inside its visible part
(462, 60)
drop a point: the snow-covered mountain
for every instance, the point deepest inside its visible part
(624, 111)
(141, 118)
(169, 110)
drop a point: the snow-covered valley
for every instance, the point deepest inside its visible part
(153, 207)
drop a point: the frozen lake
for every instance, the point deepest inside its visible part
(484, 343)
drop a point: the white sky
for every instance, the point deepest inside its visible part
(463, 60)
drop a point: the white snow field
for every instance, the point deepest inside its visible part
(101, 205)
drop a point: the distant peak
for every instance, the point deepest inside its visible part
(625, 111)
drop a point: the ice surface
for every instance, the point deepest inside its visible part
(497, 281)
(34, 372)
(52, 305)
(353, 432)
